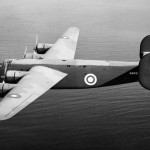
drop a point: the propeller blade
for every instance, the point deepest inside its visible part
(25, 52)
(36, 41)
(34, 52)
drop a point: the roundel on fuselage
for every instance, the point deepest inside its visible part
(90, 79)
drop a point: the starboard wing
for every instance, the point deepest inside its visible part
(38, 80)
(65, 46)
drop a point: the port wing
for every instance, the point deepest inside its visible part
(38, 80)
(65, 46)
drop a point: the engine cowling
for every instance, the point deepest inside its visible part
(12, 76)
(28, 56)
(33, 56)
(5, 88)
(41, 48)
(144, 65)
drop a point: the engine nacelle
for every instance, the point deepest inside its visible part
(145, 46)
(33, 56)
(29, 56)
(12, 76)
(5, 88)
(41, 48)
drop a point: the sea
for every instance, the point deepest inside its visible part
(107, 118)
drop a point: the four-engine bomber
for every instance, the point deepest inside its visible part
(52, 66)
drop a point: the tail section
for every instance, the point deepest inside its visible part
(144, 65)
(145, 46)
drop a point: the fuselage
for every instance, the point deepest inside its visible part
(81, 73)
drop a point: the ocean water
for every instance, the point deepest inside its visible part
(116, 117)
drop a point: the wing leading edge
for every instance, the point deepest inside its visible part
(38, 80)
(65, 46)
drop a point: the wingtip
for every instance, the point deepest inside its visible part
(2, 118)
(5, 115)
(75, 28)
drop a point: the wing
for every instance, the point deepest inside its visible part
(65, 46)
(38, 80)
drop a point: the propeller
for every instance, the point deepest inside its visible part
(3, 82)
(25, 52)
(36, 43)
(36, 40)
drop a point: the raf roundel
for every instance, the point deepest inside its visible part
(90, 79)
